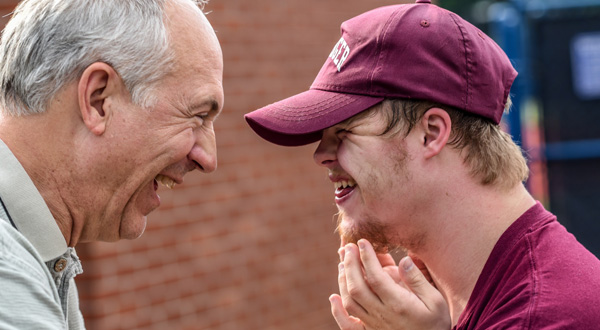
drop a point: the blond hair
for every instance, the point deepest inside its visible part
(491, 154)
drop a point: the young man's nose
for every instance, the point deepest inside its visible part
(326, 153)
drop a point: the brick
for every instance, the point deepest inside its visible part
(251, 246)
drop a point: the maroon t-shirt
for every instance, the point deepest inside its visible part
(537, 277)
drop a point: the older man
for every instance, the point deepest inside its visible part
(100, 101)
(406, 109)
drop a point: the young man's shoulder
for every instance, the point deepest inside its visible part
(565, 280)
(538, 276)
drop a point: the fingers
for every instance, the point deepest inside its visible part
(371, 298)
(344, 321)
(379, 281)
(416, 281)
(423, 268)
(354, 290)
(385, 259)
(349, 302)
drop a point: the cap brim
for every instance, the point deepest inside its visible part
(300, 119)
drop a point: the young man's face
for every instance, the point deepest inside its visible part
(373, 182)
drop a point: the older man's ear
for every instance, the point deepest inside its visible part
(97, 87)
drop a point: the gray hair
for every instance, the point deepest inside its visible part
(49, 43)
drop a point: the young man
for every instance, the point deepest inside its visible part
(99, 101)
(406, 109)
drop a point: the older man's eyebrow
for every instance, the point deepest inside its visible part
(211, 103)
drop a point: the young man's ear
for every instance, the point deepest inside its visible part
(98, 82)
(436, 125)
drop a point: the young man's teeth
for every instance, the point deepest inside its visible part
(343, 184)
(165, 181)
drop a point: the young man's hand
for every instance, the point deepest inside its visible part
(375, 294)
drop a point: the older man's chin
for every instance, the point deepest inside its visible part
(132, 226)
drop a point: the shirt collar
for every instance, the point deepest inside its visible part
(27, 208)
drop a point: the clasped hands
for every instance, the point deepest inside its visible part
(375, 294)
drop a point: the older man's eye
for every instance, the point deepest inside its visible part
(202, 117)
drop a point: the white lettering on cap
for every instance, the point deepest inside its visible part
(340, 53)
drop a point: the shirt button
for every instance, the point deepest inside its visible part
(60, 265)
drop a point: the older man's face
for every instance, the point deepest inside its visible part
(172, 137)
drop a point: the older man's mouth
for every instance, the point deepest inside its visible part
(165, 181)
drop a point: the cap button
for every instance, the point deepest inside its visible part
(423, 1)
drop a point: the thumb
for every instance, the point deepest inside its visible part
(415, 281)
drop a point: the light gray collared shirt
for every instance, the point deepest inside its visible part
(37, 289)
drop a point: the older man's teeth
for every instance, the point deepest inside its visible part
(344, 184)
(165, 181)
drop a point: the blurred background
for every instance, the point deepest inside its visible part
(252, 246)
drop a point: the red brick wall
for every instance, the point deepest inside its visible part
(250, 246)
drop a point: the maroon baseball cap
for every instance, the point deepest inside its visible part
(412, 51)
